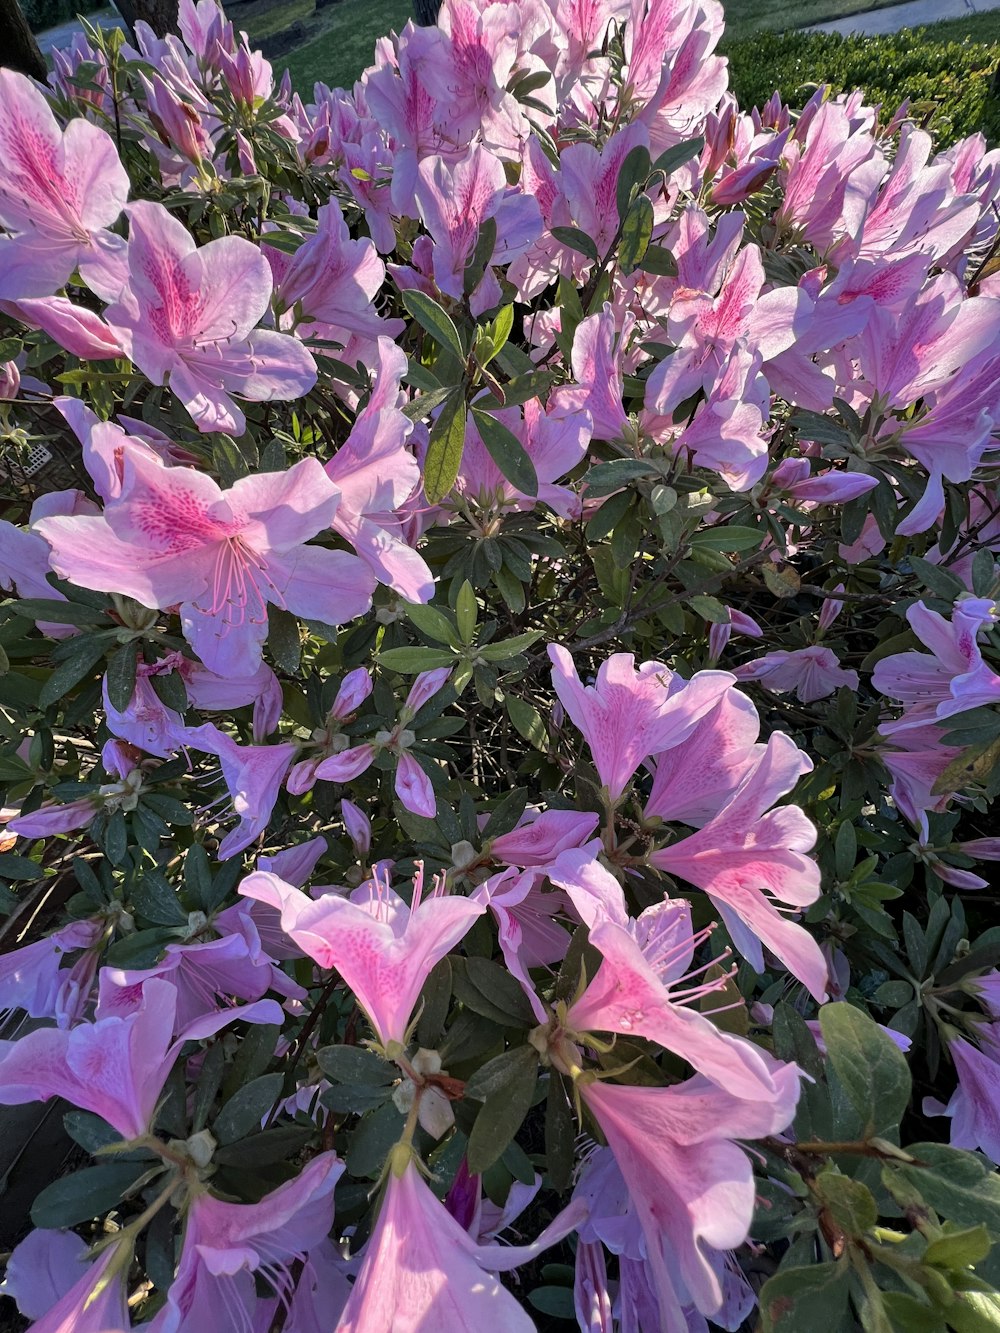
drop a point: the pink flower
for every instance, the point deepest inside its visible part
(690, 1185)
(376, 474)
(975, 1104)
(695, 778)
(115, 1067)
(253, 775)
(812, 673)
(173, 536)
(61, 190)
(630, 713)
(541, 835)
(191, 315)
(421, 1269)
(97, 1301)
(34, 979)
(743, 858)
(225, 1244)
(640, 989)
(381, 947)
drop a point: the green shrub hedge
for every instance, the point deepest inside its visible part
(950, 78)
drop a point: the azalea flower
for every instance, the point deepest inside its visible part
(421, 1269)
(173, 536)
(630, 713)
(61, 190)
(383, 949)
(115, 1067)
(191, 314)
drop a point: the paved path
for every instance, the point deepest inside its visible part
(56, 38)
(911, 15)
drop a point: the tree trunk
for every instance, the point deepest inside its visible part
(425, 12)
(161, 15)
(18, 48)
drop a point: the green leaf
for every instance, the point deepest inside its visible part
(19, 867)
(527, 721)
(522, 388)
(85, 1194)
(870, 1066)
(507, 1084)
(959, 1249)
(937, 579)
(507, 452)
(632, 177)
(58, 612)
(278, 1144)
(727, 538)
(432, 622)
(121, 675)
(370, 1143)
(490, 990)
(247, 1107)
(445, 448)
(425, 403)
(79, 663)
(909, 1315)
(958, 1185)
(608, 477)
(466, 611)
(486, 244)
(283, 639)
(850, 1204)
(154, 898)
(709, 608)
(559, 1133)
(672, 158)
(432, 317)
(355, 1064)
(813, 1299)
(577, 240)
(411, 661)
(354, 1099)
(636, 234)
(556, 1302)
(507, 648)
(659, 261)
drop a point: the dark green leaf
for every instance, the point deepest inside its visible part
(672, 158)
(121, 675)
(279, 1144)
(959, 1185)
(870, 1066)
(58, 612)
(636, 233)
(432, 317)
(247, 1107)
(511, 1082)
(444, 451)
(355, 1064)
(556, 1302)
(283, 639)
(490, 990)
(813, 1299)
(577, 240)
(371, 1141)
(85, 1194)
(507, 452)
(18, 867)
(154, 898)
(632, 177)
(86, 653)
(608, 477)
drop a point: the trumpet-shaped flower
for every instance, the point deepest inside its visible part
(115, 1067)
(61, 189)
(191, 314)
(631, 713)
(748, 855)
(383, 949)
(421, 1269)
(691, 1185)
(172, 536)
(225, 1244)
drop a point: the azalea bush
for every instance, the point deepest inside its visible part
(500, 705)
